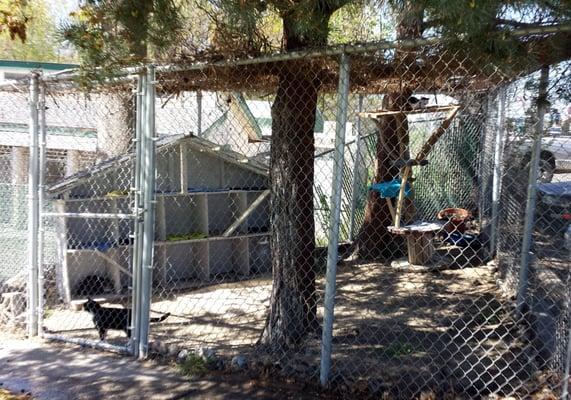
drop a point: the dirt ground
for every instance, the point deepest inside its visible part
(398, 332)
(52, 371)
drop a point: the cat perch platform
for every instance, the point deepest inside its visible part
(419, 240)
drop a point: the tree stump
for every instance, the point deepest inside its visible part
(419, 242)
(420, 249)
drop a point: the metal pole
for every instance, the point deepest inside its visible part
(199, 113)
(149, 214)
(89, 215)
(329, 301)
(33, 209)
(356, 169)
(497, 172)
(566, 376)
(542, 106)
(137, 224)
(41, 189)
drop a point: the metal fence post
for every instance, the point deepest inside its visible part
(497, 172)
(199, 113)
(356, 183)
(148, 186)
(41, 187)
(137, 228)
(33, 209)
(542, 106)
(338, 157)
(566, 375)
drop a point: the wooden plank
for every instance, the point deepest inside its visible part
(183, 150)
(427, 147)
(420, 249)
(422, 154)
(161, 219)
(424, 110)
(391, 209)
(113, 262)
(404, 179)
(246, 213)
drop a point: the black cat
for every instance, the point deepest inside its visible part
(106, 318)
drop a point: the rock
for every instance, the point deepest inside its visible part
(182, 355)
(158, 346)
(206, 353)
(218, 365)
(172, 350)
(239, 363)
(266, 361)
(300, 368)
(17, 283)
(361, 386)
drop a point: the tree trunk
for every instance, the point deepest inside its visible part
(374, 241)
(293, 302)
(115, 130)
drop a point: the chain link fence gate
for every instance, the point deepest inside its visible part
(439, 309)
(90, 148)
(14, 162)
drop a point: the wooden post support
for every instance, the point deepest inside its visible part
(246, 213)
(422, 154)
(401, 195)
(391, 208)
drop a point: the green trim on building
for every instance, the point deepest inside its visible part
(248, 113)
(30, 65)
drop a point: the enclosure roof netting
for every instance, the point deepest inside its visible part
(421, 65)
(164, 143)
(435, 66)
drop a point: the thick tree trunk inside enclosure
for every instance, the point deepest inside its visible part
(293, 303)
(374, 241)
(293, 309)
(115, 129)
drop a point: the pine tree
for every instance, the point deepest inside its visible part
(111, 33)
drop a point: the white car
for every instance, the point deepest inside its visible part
(555, 154)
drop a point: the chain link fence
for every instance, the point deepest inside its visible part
(13, 208)
(393, 221)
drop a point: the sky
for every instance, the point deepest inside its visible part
(60, 9)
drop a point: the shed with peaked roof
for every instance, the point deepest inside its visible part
(212, 219)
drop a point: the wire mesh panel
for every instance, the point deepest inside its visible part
(546, 295)
(213, 230)
(87, 214)
(14, 162)
(431, 223)
(435, 318)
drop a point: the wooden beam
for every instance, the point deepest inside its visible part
(423, 110)
(183, 167)
(246, 213)
(113, 262)
(427, 147)
(404, 178)
(422, 154)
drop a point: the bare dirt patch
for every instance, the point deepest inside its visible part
(395, 332)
